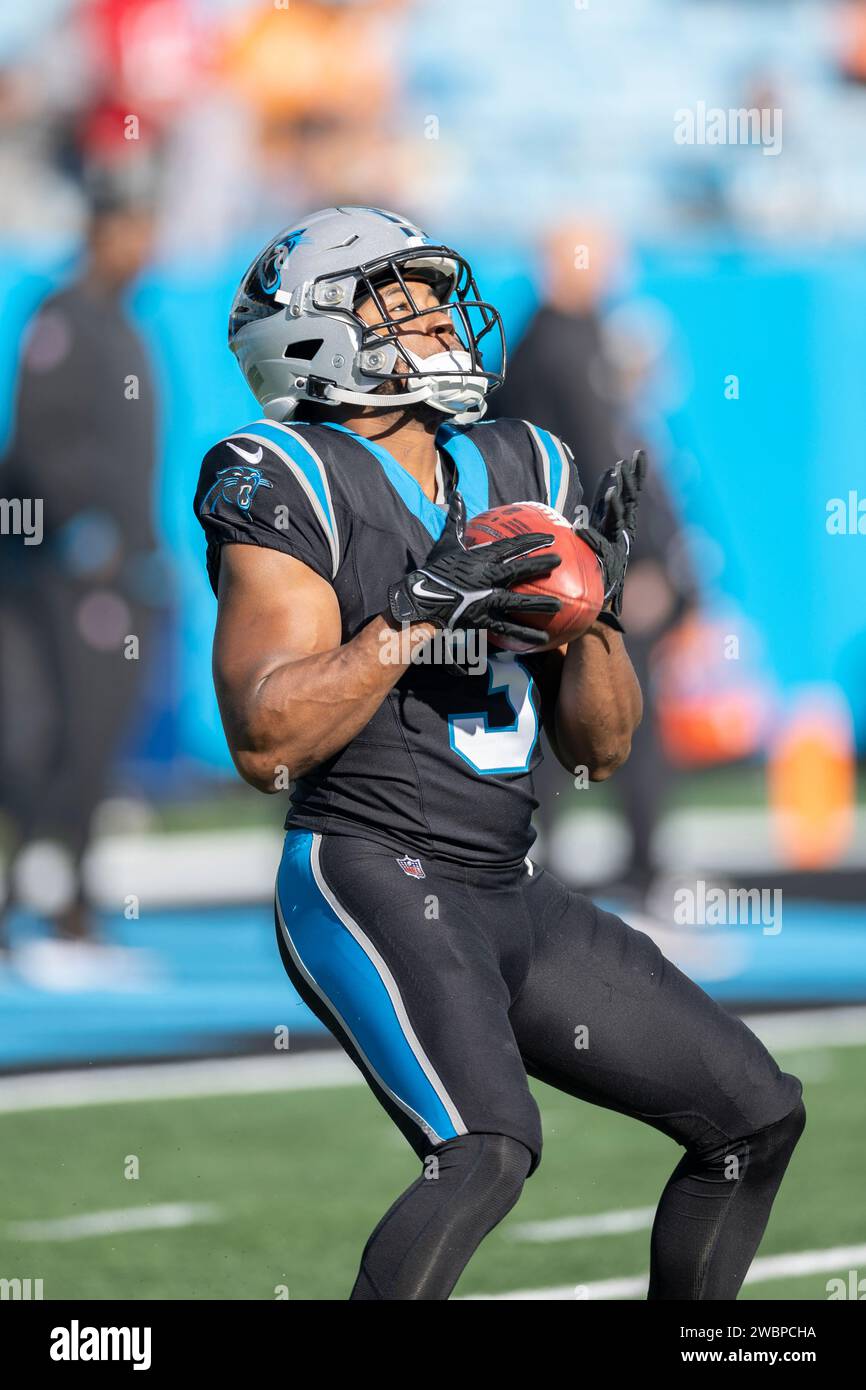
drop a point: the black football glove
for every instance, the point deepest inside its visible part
(612, 527)
(459, 587)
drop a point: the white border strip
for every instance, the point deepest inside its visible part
(226, 1076)
(796, 1031)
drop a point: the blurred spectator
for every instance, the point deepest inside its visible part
(561, 377)
(851, 20)
(44, 78)
(286, 121)
(77, 606)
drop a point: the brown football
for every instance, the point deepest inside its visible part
(576, 581)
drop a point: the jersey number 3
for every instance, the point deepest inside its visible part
(508, 748)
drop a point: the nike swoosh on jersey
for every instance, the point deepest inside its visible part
(250, 455)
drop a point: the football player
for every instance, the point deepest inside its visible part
(409, 916)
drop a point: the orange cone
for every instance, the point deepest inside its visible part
(812, 780)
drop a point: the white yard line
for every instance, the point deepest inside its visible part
(164, 1217)
(796, 1031)
(839, 1258)
(634, 1286)
(61, 1090)
(602, 1223)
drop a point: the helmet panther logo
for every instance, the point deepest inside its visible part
(236, 485)
(272, 262)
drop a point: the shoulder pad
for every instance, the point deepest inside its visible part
(304, 463)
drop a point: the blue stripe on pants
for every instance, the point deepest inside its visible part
(343, 967)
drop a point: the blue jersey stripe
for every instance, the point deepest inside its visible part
(471, 469)
(346, 972)
(555, 463)
(408, 488)
(471, 475)
(305, 462)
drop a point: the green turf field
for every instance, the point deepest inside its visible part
(299, 1178)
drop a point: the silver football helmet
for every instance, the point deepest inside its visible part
(297, 336)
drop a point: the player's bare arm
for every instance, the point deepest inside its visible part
(289, 694)
(591, 702)
(591, 697)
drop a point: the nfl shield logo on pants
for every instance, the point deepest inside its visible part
(412, 867)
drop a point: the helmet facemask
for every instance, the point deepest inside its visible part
(454, 380)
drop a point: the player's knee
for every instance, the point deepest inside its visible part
(791, 1126)
(493, 1166)
(771, 1148)
(777, 1112)
(767, 1150)
(507, 1162)
(783, 1134)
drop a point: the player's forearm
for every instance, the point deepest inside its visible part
(303, 711)
(599, 704)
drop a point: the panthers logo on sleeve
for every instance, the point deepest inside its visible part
(237, 485)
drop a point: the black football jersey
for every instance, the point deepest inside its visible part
(444, 767)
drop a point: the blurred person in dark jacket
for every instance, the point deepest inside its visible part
(78, 592)
(562, 377)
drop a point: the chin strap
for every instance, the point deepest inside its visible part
(462, 411)
(340, 396)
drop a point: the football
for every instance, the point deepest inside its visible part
(576, 582)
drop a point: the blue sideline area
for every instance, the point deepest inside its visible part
(219, 986)
(222, 988)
